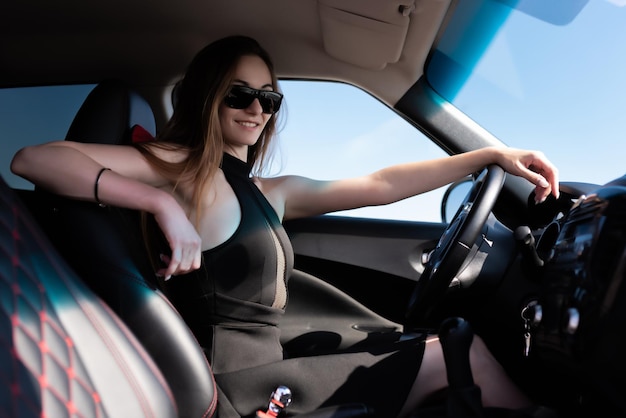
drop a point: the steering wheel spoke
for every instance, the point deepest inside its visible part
(455, 245)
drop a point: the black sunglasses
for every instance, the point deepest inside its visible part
(240, 97)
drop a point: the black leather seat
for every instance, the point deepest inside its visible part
(104, 246)
(63, 352)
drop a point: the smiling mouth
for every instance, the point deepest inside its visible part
(248, 124)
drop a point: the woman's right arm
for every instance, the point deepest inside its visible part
(70, 169)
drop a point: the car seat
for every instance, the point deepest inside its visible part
(61, 346)
(104, 246)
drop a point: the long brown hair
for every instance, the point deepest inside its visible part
(195, 125)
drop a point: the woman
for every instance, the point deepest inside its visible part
(230, 258)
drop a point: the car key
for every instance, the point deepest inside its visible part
(527, 335)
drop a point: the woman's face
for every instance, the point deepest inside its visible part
(242, 128)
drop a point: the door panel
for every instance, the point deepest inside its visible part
(374, 261)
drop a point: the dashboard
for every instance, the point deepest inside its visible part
(578, 320)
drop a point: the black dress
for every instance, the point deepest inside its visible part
(233, 304)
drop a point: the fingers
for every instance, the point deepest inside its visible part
(554, 182)
(548, 178)
(542, 189)
(543, 174)
(182, 260)
(184, 242)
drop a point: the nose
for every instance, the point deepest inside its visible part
(255, 106)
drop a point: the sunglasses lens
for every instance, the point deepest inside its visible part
(270, 101)
(240, 97)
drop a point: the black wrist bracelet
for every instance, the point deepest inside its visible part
(95, 186)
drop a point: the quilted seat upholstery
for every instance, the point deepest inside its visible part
(60, 345)
(104, 247)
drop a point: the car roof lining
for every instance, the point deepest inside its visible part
(90, 42)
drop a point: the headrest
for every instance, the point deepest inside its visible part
(113, 114)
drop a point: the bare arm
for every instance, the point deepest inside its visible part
(70, 169)
(305, 197)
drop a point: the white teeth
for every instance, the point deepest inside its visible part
(248, 124)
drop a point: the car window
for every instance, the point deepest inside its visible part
(533, 83)
(333, 130)
(34, 115)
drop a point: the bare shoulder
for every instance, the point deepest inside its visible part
(281, 185)
(277, 190)
(286, 192)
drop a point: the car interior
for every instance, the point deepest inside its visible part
(87, 332)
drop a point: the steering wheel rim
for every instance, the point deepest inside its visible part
(455, 245)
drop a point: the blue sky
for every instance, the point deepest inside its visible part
(566, 96)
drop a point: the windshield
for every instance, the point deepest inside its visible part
(555, 82)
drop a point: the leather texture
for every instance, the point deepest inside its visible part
(105, 247)
(64, 352)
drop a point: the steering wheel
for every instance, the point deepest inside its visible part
(454, 245)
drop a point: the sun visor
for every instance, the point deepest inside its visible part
(366, 33)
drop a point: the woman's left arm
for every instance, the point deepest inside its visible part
(305, 197)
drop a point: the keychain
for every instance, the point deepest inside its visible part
(532, 314)
(279, 401)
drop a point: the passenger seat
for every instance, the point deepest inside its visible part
(63, 352)
(104, 246)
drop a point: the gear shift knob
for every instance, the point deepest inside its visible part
(464, 397)
(456, 335)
